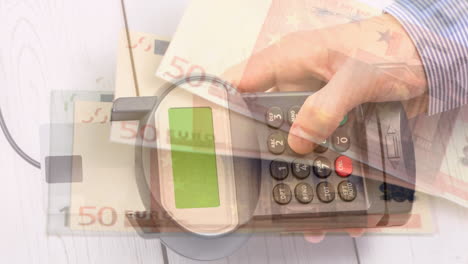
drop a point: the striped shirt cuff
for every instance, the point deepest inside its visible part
(439, 28)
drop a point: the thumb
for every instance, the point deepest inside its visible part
(315, 237)
(323, 111)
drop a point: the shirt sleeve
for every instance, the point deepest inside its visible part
(439, 28)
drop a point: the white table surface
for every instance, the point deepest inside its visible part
(71, 45)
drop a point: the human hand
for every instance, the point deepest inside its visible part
(355, 60)
(319, 236)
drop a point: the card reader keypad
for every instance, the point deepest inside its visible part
(282, 193)
(322, 167)
(274, 117)
(341, 140)
(347, 191)
(304, 193)
(300, 168)
(279, 169)
(324, 176)
(277, 143)
(326, 192)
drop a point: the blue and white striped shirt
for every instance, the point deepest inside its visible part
(439, 29)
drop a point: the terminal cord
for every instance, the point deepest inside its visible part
(15, 146)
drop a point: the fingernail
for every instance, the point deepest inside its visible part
(315, 238)
(356, 232)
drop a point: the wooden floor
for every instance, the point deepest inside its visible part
(71, 45)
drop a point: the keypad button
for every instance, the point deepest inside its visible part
(276, 143)
(274, 117)
(292, 114)
(343, 166)
(304, 193)
(344, 121)
(279, 169)
(341, 140)
(326, 192)
(323, 147)
(347, 191)
(282, 194)
(300, 168)
(322, 167)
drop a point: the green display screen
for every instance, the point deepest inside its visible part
(193, 157)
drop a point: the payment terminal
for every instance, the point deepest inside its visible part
(221, 166)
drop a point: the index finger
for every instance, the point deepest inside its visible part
(256, 74)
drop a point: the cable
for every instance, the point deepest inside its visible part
(15, 146)
(356, 250)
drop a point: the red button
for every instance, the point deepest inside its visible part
(343, 166)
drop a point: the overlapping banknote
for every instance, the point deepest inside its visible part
(61, 167)
(215, 35)
(107, 193)
(108, 190)
(441, 148)
(212, 36)
(139, 55)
